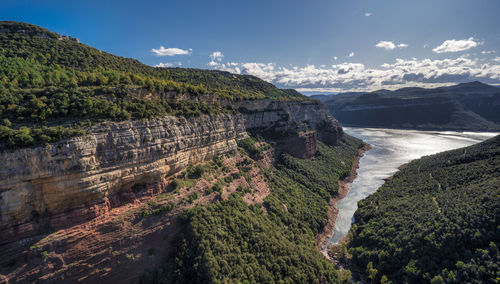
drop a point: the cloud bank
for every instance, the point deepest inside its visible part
(350, 76)
(453, 45)
(172, 51)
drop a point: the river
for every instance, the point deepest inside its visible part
(390, 149)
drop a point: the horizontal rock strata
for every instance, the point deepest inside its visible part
(80, 178)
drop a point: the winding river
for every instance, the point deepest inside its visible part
(390, 149)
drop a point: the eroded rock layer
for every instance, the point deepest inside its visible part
(78, 179)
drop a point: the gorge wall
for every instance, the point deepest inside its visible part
(80, 178)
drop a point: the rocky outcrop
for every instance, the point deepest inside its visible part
(78, 179)
(302, 145)
(282, 114)
(297, 118)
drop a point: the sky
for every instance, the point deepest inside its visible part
(312, 46)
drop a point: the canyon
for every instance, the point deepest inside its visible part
(75, 180)
(118, 172)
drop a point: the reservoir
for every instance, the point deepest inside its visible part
(390, 149)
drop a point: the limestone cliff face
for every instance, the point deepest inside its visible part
(77, 179)
(292, 115)
(302, 145)
(272, 113)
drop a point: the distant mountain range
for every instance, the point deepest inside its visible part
(473, 106)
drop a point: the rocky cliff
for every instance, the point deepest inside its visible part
(78, 179)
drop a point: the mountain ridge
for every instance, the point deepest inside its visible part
(472, 106)
(53, 87)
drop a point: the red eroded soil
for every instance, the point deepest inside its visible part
(118, 246)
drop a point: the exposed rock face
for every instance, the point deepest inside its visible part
(77, 179)
(330, 134)
(292, 116)
(91, 173)
(302, 145)
(278, 114)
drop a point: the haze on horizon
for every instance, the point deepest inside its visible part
(314, 46)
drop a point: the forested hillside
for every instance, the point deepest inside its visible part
(231, 241)
(437, 220)
(52, 87)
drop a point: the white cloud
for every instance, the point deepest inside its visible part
(213, 64)
(351, 54)
(166, 64)
(453, 45)
(217, 56)
(488, 52)
(335, 58)
(496, 59)
(426, 45)
(368, 14)
(356, 76)
(389, 45)
(172, 51)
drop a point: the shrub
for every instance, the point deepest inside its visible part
(195, 172)
(175, 184)
(228, 179)
(193, 197)
(249, 145)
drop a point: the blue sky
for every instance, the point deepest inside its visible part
(311, 45)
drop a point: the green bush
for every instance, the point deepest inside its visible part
(196, 171)
(193, 197)
(249, 145)
(216, 188)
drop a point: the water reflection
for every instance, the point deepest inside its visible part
(390, 149)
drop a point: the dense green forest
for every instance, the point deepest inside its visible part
(52, 87)
(437, 220)
(232, 242)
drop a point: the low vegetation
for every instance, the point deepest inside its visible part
(249, 145)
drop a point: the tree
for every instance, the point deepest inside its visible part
(437, 280)
(384, 280)
(372, 272)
